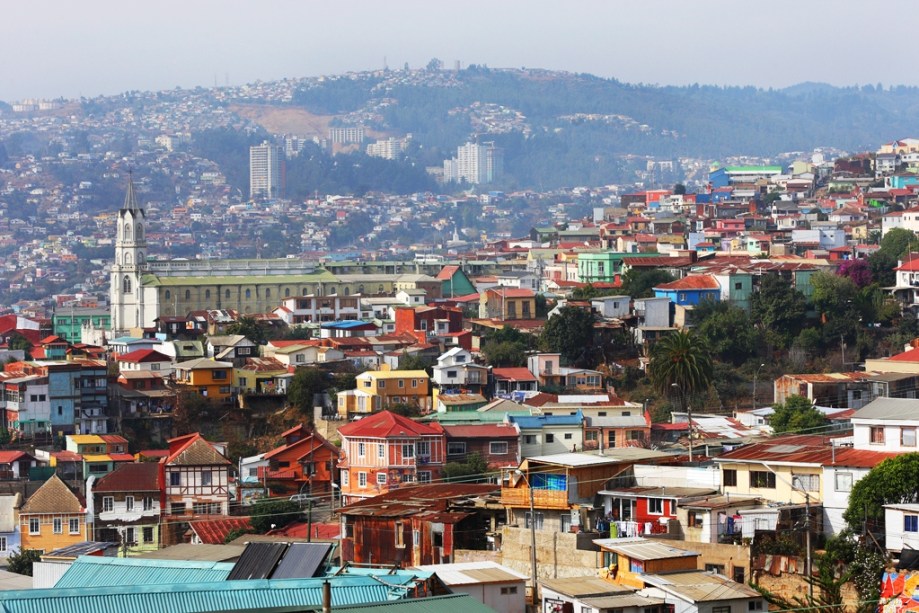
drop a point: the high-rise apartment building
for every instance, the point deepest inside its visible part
(475, 163)
(266, 171)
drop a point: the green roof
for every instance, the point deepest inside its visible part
(255, 594)
(472, 417)
(89, 571)
(434, 604)
(151, 280)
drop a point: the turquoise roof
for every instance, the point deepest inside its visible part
(436, 604)
(204, 597)
(89, 571)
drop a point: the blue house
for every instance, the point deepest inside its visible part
(690, 290)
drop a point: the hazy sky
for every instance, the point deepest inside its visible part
(52, 48)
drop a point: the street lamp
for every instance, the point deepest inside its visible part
(520, 473)
(807, 535)
(755, 375)
(685, 407)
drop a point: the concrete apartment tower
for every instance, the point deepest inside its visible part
(266, 171)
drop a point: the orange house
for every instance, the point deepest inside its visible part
(207, 377)
(305, 459)
(53, 517)
(385, 451)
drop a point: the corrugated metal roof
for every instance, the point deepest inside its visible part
(643, 549)
(257, 561)
(621, 601)
(701, 586)
(202, 597)
(302, 560)
(435, 604)
(588, 585)
(88, 571)
(471, 573)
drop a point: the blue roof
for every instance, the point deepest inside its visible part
(541, 421)
(345, 324)
(88, 571)
(125, 340)
(204, 597)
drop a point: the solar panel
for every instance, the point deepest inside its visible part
(302, 561)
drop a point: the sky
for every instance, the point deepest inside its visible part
(62, 48)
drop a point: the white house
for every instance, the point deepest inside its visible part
(592, 594)
(455, 368)
(493, 585)
(887, 424)
(901, 523)
(698, 591)
(612, 307)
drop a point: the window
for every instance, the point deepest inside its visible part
(529, 439)
(129, 535)
(148, 535)
(108, 504)
(512, 589)
(148, 504)
(168, 294)
(457, 448)
(381, 478)
(738, 285)
(753, 605)
(3, 543)
(424, 476)
(656, 506)
(408, 450)
(567, 436)
(58, 524)
(808, 483)
(227, 294)
(381, 450)
(451, 374)
(248, 294)
(175, 478)
(907, 437)
(401, 383)
(550, 438)
(843, 482)
(219, 375)
(344, 478)
(877, 435)
(129, 503)
(200, 508)
(361, 450)
(362, 479)
(729, 477)
(74, 526)
(34, 526)
(911, 523)
(763, 479)
(207, 294)
(188, 294)
(497, 448)
(717, 568)
(206, 477)
(540, 518)
(695, 519)
(590, 436)
(400, 534)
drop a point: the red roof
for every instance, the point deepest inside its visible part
(9, 456)
(133, 477)
(907, 356)
(513, 373)
(511, 292)
(909, 266)
(808, 449)
(297, 530)
(691, 282)
(481, 431)
(143, 356)
(385, 424)
(215, 531)
(446, 273)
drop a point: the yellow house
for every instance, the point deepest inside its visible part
(783, 469)
(259, 376)
(507, 303)
(382, 389)
(53, 517)
(207, 377)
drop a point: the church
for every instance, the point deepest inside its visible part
(144, 289)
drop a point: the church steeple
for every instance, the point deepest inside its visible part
(130, 200)
(130, 263)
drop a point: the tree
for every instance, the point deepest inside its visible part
(681, 359)
(728, 331)
(270, 514)
(570, 333)
(898, 242)
(18, 341)
(473, 469)
(306, 383)
(796, 414)
(679, 189)
(859, 271)
(504, 354)
(779, 310)
(21, 561)
(248, 327)
(893, 481)
(640, 282)
(413, 362)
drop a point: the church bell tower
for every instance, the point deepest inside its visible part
(127, 302)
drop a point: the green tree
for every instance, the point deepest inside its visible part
(796, 414)
(898, 242)
(414, 362)
(18, 341)
(504, 354)
(640, 282)
(571, 333)
(473, 469)
(779, 310)
(728, 331)
(21, 561)
(269, 514)
(893, 481)
(306, 382)
(681, 359)
(248, 327)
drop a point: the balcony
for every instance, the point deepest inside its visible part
(542, 499)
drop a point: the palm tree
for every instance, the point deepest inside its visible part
(681, 360)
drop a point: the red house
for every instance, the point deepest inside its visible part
(636, 511)
(433, 324)
(497, 444)
(385, 452)
(418, 525)
(305, 459)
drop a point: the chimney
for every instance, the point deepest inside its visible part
(326, 597)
